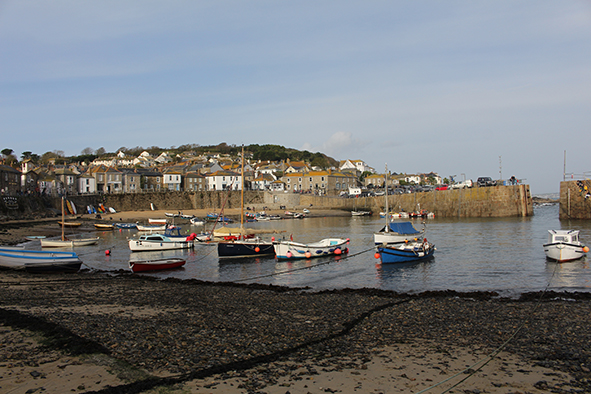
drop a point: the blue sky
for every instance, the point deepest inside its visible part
(480, 88)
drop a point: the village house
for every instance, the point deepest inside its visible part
(356, 167)
(318, 182)
(10, 180)
(193, 181)
(224, 180)
(262, 182)
(86, 184)
(150, 179)
(131, 180)
(108, 179)
(68, 181)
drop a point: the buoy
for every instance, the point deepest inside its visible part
(107, 252)
(348, 240)
(585, 249)
(337, 251)
(288, 255)
(272, 239)
(257, 249)
(377, 255)
(308, 255)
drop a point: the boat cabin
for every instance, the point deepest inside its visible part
(563, 236)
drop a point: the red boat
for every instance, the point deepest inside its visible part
(156, 265)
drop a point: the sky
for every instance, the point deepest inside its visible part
(465, 88)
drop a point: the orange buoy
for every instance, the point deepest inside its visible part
(288, 255)
(585, 249)
(308, 255)
(257, 249)
(337, 251)
(107, 252)
(377, 255)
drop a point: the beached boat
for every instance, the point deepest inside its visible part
(39, 261)
(295, 250)
(195, 221)
(157, 221)
(67, 242)
(360, 213)
(151, 228)
(156, 265)
(104, 226)
(69, 224)
(405, 252)
(564, 245)
(158, 242)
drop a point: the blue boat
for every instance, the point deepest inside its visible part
(126, 225)
(406, 252)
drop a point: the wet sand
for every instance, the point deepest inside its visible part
(124, 333)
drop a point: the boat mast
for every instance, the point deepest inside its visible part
(63, 220)
(242, 194)
(386, 194)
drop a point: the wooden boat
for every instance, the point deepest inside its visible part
(104, 226)
(405, 252)
(295, 250)
(69, 224)
(151, 228)
(158, 242)
(65, 242)
(156, 265)
(564, 245)
(39, 261)
(157, 221)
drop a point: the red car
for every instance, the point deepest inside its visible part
(441, 187)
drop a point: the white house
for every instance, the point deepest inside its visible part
(86, 184)
(357, 165)
(224, 180)
(172, 181)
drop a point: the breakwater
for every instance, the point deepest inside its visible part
(575, 199)
(497, 201)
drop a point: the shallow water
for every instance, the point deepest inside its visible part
(499, 254)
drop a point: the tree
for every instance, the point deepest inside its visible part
(87, 151)
(100, 151)
(9, 158)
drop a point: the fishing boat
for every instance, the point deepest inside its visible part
(241, 243)
(153, 242)
(39, 261)
(156, 265)
(564, 245)
(405, 252)
(286, 250)
(67, 242)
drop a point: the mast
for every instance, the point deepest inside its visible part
(386, 194)
(242, 194)
(63, 220)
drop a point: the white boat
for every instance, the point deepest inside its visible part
(39, 261)
(564, 245)
(360, 213)
(195, 221)
(151, 228)
(67, 242)
(296, 250)
(157, 221)
(398, 232)
(153, 242)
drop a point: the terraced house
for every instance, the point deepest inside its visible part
(319, 182)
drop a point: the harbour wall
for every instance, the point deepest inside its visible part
(496, 201)
(575, 199)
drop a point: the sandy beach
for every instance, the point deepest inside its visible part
(124, 333)
(117, 332)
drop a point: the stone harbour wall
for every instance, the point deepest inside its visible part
(575, 199)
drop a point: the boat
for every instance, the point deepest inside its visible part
(564, 245)
(286, 250)
(65, 242)
(398, 232)
(172, 215)
(195, 221)
(156, 265)
(126, 226)
(241, 243)
(104, 226)
(306, 211)
(360, 213)
(405, 252)
(159, 242)
(150, 228)
(39, 261)
(69, 224)
(157, 221)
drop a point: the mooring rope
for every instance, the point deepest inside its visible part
(472, 369)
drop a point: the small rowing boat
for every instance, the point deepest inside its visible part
(156, 265)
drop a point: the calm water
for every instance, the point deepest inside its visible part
(503, 255)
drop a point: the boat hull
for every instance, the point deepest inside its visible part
(245, 249)
(16, 258)
(288, 250)
(416, 251)
(563, 252)
(156, 265)
(68, 243)
(142, 245)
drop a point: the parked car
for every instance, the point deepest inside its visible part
(485, 181)
(441, 187)
(461, 185)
